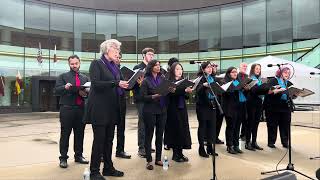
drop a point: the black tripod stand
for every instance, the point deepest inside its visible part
(213, 144)
(290, 166)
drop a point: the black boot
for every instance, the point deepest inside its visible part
(202, 152)
(236, 148)
(255, 145)
(210, 150)
(249, 146)
(175, 155)
(231, 150)
(184, 158)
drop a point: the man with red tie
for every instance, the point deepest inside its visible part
(68, 87)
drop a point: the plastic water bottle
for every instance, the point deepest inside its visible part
(165, 163)
(86, 174)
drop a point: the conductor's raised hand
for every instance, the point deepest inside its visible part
(123, 84)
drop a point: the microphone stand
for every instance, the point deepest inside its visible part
(290, 166)
(221, 111)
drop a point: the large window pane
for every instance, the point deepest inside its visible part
(37, 36)
(279, 26)
(105, 30)
(61, 35)
(168, 34)
(127, 34)
(84, 37)
(306, 19)
(147, 32)
(231, 27)
(188, 32)
(12, 24)
(254, 23)
(209, 30)
(61, 27)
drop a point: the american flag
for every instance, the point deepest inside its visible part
(39, 57)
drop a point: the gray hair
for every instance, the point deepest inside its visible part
(107, 44)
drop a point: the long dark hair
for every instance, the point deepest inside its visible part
(227, 77)
(203, 66)
(150, 66)
(253, 67)
(171, 72)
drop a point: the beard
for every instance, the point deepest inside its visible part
(75, 69)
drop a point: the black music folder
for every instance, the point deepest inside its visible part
(126, 73)
(293, 91)
(184, 83)
(163, 88)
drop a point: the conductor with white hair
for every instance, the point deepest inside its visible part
(103, 108)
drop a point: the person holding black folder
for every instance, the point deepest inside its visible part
(254, 107)
(148, 55)
(219, 115)
(231, 104)
(121, 123)
(206, 110)
(104, 109)
(278, 108)
(177, 135)
(154, 111)
(242, 78)
(71, 110)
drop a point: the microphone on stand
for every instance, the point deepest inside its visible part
(198, 62)
(314, 73)
(270, 65)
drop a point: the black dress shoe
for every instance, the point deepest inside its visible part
(184, 158)
(249, 147)
(202, 152)
(236, 149)
(113, 172)
(166, 148)
(63, 163)
(255, 145)
(271, 146)
(210, 150)
(231, 150)
(142, 153)
(96, 177)
(123, 155)
(177, 159)
(218, 141)
(285, 145)
(153, 150)
(81, 160)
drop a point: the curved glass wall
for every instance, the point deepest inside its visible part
(226, 34)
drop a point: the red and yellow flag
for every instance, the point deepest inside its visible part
(18, 83)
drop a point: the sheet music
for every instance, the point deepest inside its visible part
(196, 82)
(226, 86)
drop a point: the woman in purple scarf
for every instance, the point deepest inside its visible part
(177, 134)
(154, 111)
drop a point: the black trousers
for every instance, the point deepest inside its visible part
(207, 125)
(219, 117)
(71, 119)
(141, 128)
(102, 144)
(152, 121)
(233, 121)
(244, 119)
(254, 115)
(121, 125)
(281, 119)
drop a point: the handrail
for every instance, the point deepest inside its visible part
(307, 52)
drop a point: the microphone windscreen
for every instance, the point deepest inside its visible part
(192, 62)
(269, 65)
(312, 73)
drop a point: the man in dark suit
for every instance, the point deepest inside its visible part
(68, 86)
(104, 107)
(121, 123)
(148, 55)
(243, 111)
